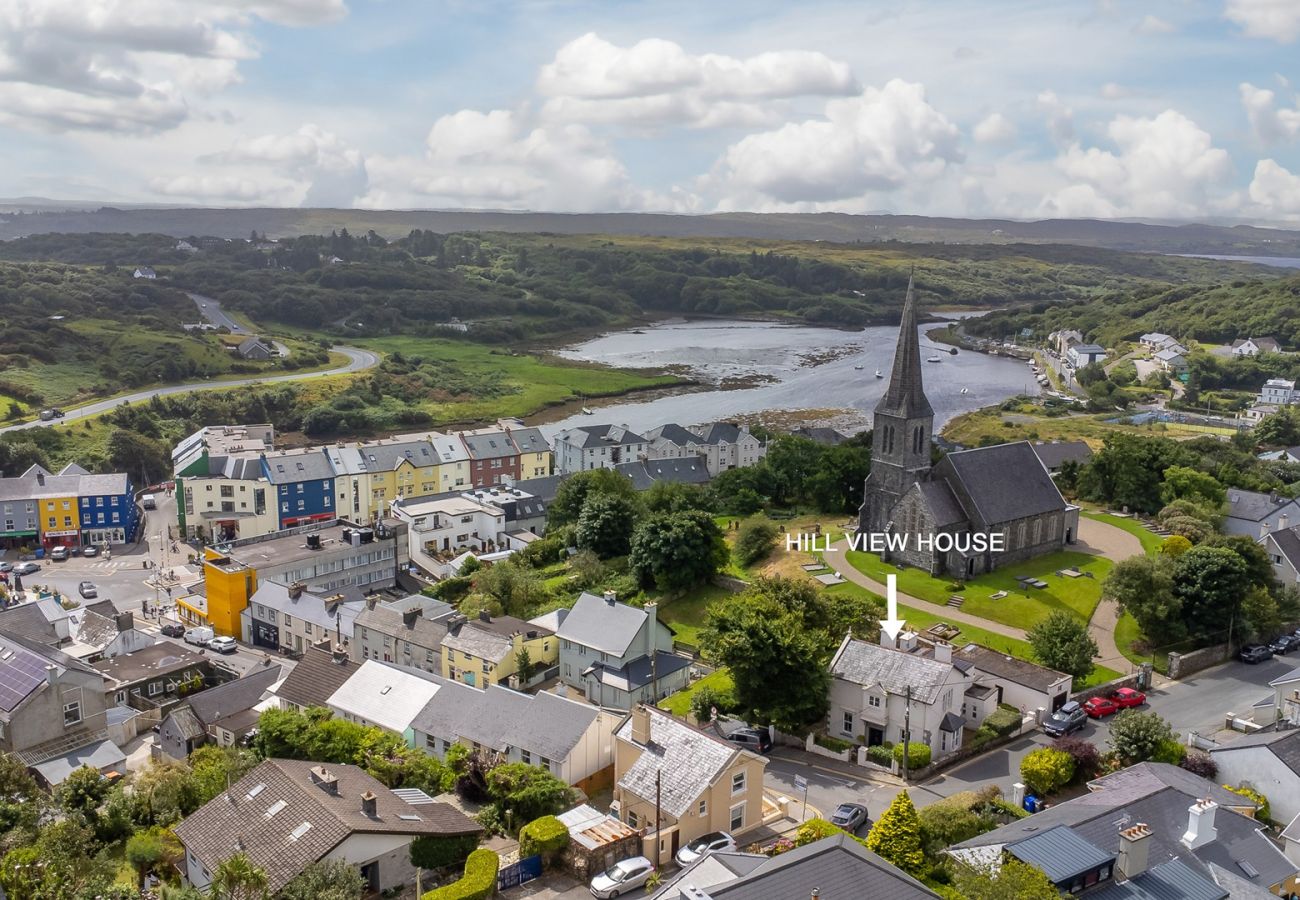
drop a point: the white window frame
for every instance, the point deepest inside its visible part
(737, 812)
(739, 782)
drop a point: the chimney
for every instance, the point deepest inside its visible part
(652, 628)
(369, 804)
(888, 642)
(326, 780)
(410, 615)
(296, 589)
(1281, 522)
(943, 651)
(1263, 529)
(611, 598)
(340, 655)
(1134, 845)
(1200, 824)
(125, 620)
(484, 616)
(640, 725)
(52, 674)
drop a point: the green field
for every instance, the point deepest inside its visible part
(1023, 606)
(679, 704)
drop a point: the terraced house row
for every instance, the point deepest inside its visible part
(70, 509)
(232, 483)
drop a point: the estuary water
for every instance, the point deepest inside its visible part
(782, 368)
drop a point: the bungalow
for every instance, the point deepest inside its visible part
(1155, 341)
(255, 348)
(1171, 361)
(1255, 346)
(1015, 682)
(144, 272)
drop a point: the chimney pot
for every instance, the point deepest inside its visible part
(325, 780)
(611, 597)
(340, 654)
(1134, 848)
(1200, 824)
(484, 616)
(52, 674)
(640, 725)
(369, 804)
(943, 651)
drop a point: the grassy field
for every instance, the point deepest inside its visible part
(992, 423)
(1023, 606)
(679, 704)
(1150, 541)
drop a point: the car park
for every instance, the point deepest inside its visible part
(223, 644)
(622, 878)
(1100, 707)
(27, 568)
(756, 739)
(172, 629)
(1127, 698)
(849, 816)
(703, 846)
(1255, 653)
(1068, 718)
(87, 590)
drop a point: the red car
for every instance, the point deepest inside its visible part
(1127, 698)
(1100, 707)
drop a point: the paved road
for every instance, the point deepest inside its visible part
(211, 310)
(358, 361)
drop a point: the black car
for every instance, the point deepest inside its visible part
(849, 816)
(1284, 643)
(1070, 717)
(173, 629)
(756, 739)
(1254, 653)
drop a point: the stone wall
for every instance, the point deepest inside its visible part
(1104, 690)
(1183, 664)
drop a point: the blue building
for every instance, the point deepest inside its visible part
(303, 483)
(107, 510)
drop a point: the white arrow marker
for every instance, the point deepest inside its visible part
(892, 625)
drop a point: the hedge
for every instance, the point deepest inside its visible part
(879, 755)
(544, 835)
(833, 744)
(436, 851)
(1004, 720)
(478, 882)
(918, 755)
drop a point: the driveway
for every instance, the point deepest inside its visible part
(1104, 539)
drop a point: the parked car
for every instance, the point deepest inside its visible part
(27, 568)
(223, 644)
(59, 554)
(1100, 707)
(1068, 718)
(1284, 643)
(849, 816)
(622, 877)
(1254, 653)
(703, 846)
(90, 551)
(173, 629)
(6, 567)
(1127, 698)
(756, 739)
(87, 590)
(199, 635)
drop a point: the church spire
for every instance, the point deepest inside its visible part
(905, 396)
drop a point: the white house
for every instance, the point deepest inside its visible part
(1283, 548)
(144, 272)
(441, 527)
(1156, 340)
(1081, 355)
(721, 445)
(1255, 346)
(1270, 762)
(385, 695)
(1256, 514)
(571, 739)
(1171, 360)
(1277, 392)
(596, 447)
(1015, 682)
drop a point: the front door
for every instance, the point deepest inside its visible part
(875, 736)
(370, 875)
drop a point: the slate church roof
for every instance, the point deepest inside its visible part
(1003, 482)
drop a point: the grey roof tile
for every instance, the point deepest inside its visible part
(685, 760)
(1004, 482)
(860, 662)
(608, 627)
(544, 724)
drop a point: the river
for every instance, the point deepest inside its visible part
(1277, 262)
(785, 367)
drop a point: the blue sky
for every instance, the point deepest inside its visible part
(1176, 109)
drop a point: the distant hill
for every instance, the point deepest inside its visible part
(1245, 240)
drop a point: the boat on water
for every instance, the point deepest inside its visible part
(588, 412)
(964, 391)
(934, 359)
(859, 368)
(878, 375)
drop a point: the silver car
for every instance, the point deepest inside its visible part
(703, 846)
(621, 877)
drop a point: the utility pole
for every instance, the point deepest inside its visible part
(907, 728)
(658, 796)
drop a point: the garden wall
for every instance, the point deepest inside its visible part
(1183, 664)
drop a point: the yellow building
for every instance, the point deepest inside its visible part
(486, 650)
(229, 586)
(60, 520)
(398, 468)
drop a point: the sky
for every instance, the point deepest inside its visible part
(1169, 109)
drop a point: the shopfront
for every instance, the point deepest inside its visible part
(52, 539)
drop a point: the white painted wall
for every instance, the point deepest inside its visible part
(1266, 773)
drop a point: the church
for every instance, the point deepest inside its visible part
(1002, 489)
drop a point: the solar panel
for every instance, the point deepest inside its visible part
(20, 674)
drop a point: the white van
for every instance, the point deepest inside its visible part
(199, 635)
(149, 501)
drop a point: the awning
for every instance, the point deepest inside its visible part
(17, 534)
(100, 755)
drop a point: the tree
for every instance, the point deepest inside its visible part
(1062, 642)
(1144, 587)
(212, 768)
(1047, 770)
(1011, 880)
(675, 496)
(239, 878)
(897, 836)
(836, 485)
(1086, 756)
(143, 851)
(1136, 736)
(144, 457)
(1186, 483)
(1174, 546)
(524, 665)
(792, 460)
(675, 551)
(438, 851)
(755, 542)
(1129, 469)
(328, 879)
(516, 588)
(81, 793)
(21, 801)
(605, 525)
(1210, 583)
(574, 491)
(521, 793)
(61, 865)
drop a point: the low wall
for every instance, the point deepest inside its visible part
(730, 583)
(1027, 724)
(810, 744)
(1104, 690)
(1183, 664)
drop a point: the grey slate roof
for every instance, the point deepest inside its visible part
(637, 673)
(488, 445)
(1168, 881)
(1288, 544)
(1285, 745)
(315, 678)
(234, 696)
(827, 436)
(293, 467)
(1253, 506)
(585, 436)
(544, 488)
(211, 833)
(944, 508)
(30, 621)
(608, 627)
(686, 759)
(838, 867)
(529, 440)
(644, 473)
(187, 724)
(1054, 453)
(1059, 853)
(426, 629)
(543, 724)
(1017, 671)
(719, 433)
(491, 639)
(859, 662)
(385, 457)
(1004, 482)
(675, 433)
(317, 607)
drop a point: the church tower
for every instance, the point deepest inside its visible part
(903, 421)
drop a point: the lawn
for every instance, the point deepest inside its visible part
(1023, 606)
(679, 704)
(686, 614)
(1150, 541)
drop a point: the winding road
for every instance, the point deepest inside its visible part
(358, 361)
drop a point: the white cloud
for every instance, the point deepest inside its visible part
(1275, 190)
(128, 65)
(330, 172)
(1152, 25)
(1269, 123)
(227, 189)
(1165, 166)
(994, 128)
(506, 158)
(879, 141)
(1278, 20)
(1060, 117)
(656, 82)
(1113, 91)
